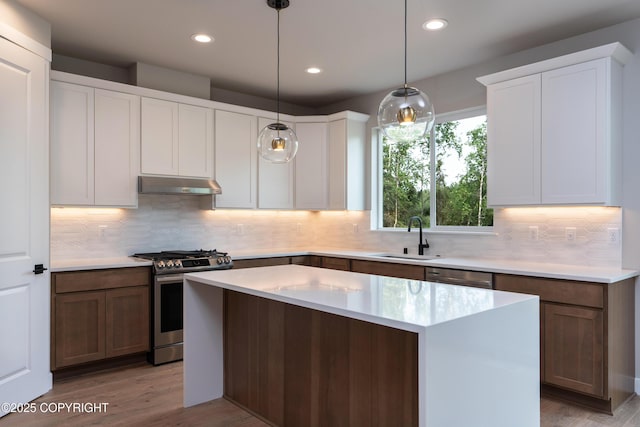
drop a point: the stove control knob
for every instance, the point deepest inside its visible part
(177, 263)
(161, 264)
(170, 264)
(219, 260)
(227, 259)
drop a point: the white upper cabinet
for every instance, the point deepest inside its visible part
(95, 140)
(311, 183)
(177, 139)
(553, 130)
(347, 174)
(236, 158)
(275, 180)
(195, 141)
(581, 156)
(117, 148)
(105, 134)
(159, 137)
(72, 148)
(513, 142)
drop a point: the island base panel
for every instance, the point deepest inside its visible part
(296, 366)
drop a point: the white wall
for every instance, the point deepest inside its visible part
(28, 23)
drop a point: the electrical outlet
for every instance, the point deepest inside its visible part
(614, 235)
(533, 232)
(102, 231)
(570, 234)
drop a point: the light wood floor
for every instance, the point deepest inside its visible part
(147, 395)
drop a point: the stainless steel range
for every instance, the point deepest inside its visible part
(166, 294)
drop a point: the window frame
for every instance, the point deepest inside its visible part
(377, 187)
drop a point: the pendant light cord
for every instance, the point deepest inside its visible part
(278, 73)
(405, 46)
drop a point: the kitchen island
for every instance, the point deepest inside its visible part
(302, 346)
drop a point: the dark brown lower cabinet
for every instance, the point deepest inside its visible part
(405, 271)
(586, 338)
(127, 321)
(299, 367)
(574, 348)
(343, 264)
(99, 314)
(79, 328)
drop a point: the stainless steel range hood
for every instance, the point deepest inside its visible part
(168, 185)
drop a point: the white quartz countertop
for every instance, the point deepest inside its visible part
(518, 267)
(400, 303)
(97, 263)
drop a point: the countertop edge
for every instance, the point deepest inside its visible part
(208, 278)
(552, 271)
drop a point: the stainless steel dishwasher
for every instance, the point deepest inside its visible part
(476, 279)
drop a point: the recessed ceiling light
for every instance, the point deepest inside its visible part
(313, 70)
(435, 24)
(202, 38)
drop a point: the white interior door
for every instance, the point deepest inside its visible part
(24, 225)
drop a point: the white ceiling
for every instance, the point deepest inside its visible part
(358, 43)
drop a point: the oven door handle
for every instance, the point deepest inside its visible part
(170, 278)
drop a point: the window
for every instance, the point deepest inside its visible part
(444, 181)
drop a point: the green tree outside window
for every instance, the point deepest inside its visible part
(460, 178)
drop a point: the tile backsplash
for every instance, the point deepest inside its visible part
(177, 222)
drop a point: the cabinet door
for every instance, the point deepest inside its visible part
(127, 321)
(513, 142)
(195, 147)
(275, 180)
(117, 147)
(338, 171)
(159, 137)
(72, 149)
(347, 174)
(311, 167)
(79, 328)
(574, 348)
(574, 119)
(236, 157)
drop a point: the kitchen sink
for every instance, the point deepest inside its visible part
(408, 256)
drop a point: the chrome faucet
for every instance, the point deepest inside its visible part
(421, 246)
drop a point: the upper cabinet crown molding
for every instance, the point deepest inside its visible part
(615, 50)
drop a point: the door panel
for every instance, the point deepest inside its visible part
(573, 342)
(24, 225)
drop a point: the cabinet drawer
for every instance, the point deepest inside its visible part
(75, 281)
(404, 271)
(301, 260)
(336, 263)
(260, 262)
(554, 290)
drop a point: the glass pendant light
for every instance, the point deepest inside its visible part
(277, 142)
(405, 114)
